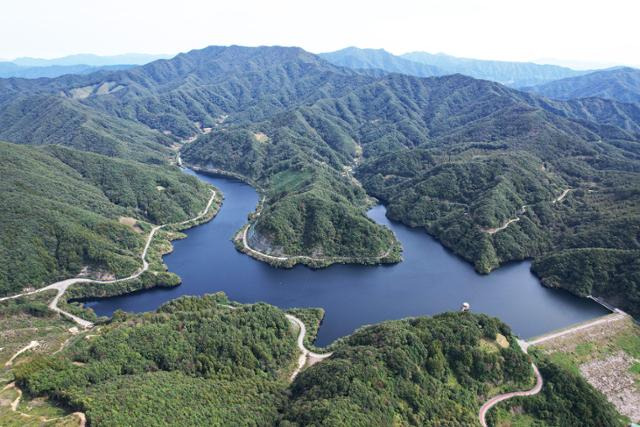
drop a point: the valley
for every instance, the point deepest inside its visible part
(428, 281)
(379, 202)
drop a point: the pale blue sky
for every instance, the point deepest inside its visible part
(593, 32)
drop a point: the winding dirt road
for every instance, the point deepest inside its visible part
(501, 397)
(63, 285)
(29, 346)
(522, 211)
(562, 196)
(307, 357)
(502, 227)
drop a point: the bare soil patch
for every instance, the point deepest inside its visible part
(261, 137)
(130, 222)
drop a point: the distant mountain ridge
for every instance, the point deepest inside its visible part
(423, 64)
(31, 68)
(514, 74)
(618, 84)
(9, 69)
(353, 57)
(91, 59)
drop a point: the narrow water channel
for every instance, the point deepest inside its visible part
(430, 280)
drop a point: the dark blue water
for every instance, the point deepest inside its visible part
(430, 280)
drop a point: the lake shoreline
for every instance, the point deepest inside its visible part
(430, 280)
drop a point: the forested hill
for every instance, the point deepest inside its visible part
(200, 88)
(482, 167)
(619, 84)
(62, 210)
(200, 361)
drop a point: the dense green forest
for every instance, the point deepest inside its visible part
(44, 119)
(62, 210)
(309, 209)
(478, 165)
(387, 374)
(197, 361)
(610, 273)
(191, 362)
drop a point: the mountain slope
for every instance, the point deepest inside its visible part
(60, 211)
(515, 74)
(453, 154)
(380, 59)
(204, 86)
(50, 119)
(619, 84)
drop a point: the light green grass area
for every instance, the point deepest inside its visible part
(630, 343)
(567, 361)
(289, 180)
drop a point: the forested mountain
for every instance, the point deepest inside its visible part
(514, 74)
(458, 156)
(48, 118)
(482, 167)
(61, 210)
(198, 360)
(206, 86)
(618, 84)
(353, 57)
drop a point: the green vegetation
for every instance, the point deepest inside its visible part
(312, 319)
(609, 273)
(61, 210)
(309, 209)
(196, 361)
(388, 374)
(452, 154)
(50, 119)
(565, 400)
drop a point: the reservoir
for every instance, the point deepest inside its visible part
(430, 280)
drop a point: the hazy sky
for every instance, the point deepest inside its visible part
(593, 32)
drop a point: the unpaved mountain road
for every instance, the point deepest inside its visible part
(63, 285)
(501, 397)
